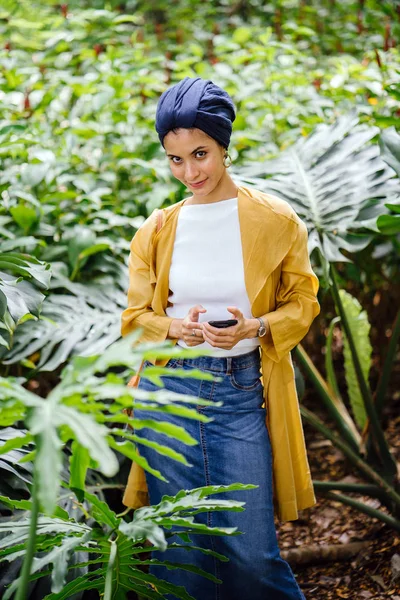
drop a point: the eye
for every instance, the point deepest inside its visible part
(172, 158)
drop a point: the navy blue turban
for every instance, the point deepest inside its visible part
(196, 102)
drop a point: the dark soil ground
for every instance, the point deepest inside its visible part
(368, 575)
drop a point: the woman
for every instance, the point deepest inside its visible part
(225, 252)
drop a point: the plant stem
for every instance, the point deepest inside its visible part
(108, 586)
(390, 468)
(22, 591)
(387, 366)
(354, 458)
(372, 512)
(345, 427)
(105, 486)
(357, 488)
(329, 369)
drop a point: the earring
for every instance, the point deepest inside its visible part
(224, 161)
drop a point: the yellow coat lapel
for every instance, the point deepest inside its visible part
(264, 242)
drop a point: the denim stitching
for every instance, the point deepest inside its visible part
(242, 388)
(207, 477)
(237, 386)
(216, 565)
(223, 371)
(204, 445)
(251, 361)
(176, 362)
(217, 575)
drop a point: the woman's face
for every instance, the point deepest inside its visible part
(195, 157)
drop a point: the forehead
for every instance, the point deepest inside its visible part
(185, 140)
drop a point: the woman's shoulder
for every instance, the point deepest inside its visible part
(148, 224)
(143, 236)
(271, 202)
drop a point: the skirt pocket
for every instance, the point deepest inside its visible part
(247, 379)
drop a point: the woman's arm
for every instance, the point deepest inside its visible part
(139, 312)
(175, 329)
(254, 326)
(296, 300)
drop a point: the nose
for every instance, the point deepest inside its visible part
(191, 172)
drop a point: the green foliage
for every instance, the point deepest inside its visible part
(371, 458)
(335, 216)
(20, 299)
(390, 146)
(81, 163)
(81, 168)
(84, 322)
(336, 181)
(15, 447)
(84, 411)
(360, 328)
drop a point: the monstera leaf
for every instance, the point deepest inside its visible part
(390, 148)
(68, 325)
(76, 318)
(20, 277)
(336, 181)
(14, 473)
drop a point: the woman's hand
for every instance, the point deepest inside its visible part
(229, 336)
(190, 323)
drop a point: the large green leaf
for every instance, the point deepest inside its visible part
(43, 424)
(45, 419)
(15, 476)
(68, 325)
(390, 148)
(389, 224)
(25, 216)
(19, 530)
(360, 328)
(160, 448)
(19, 296)
(93, 582)
(91, 435)
(146, 520)
(123, 572)
(26, 266)
(336, 181)
(79, 464)
(22, 299)
(58, 557)
(79, 239)
(29, 243)
(101, 512)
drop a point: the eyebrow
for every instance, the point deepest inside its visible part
(194, 151)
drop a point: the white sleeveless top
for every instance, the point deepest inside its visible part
(207, 268)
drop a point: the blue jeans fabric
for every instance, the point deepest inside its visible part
(234, 447)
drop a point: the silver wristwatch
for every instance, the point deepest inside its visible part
(262, 329)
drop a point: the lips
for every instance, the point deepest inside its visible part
(197, 184)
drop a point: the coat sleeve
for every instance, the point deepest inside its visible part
(296, 300)
(142, 279)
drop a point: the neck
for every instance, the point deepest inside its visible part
(224, 190)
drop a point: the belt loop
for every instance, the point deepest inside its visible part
(228, 365)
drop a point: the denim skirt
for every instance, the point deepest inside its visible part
(232, 448)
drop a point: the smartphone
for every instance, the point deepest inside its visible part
(223, 324)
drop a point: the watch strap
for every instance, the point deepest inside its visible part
(262, 329)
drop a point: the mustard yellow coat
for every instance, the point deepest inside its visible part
(281, 287)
